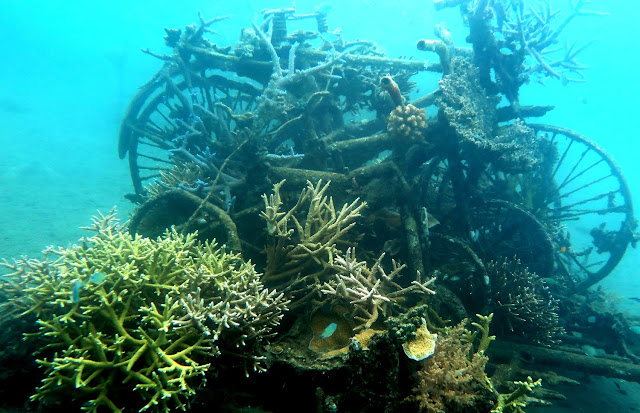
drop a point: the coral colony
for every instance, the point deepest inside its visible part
(302, 224)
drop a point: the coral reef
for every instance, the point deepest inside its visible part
(147, 321)
(516, 41)
(472, 114)
(120, 313)
(407, 124)
(522, 302)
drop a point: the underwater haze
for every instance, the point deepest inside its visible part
(70, 69)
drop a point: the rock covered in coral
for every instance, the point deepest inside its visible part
(121, 313)
(407, 123)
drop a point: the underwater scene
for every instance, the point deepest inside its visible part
(354, 206)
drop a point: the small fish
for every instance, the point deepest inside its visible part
(392, 246)
(432, 221)
(75, 291)
(230, 204)
(589, 350)
(392, 219)
(329, 330)
(635, 299)
(97, 278)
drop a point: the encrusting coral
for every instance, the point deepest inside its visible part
(423, 346)
(472, 115)
(121, 313)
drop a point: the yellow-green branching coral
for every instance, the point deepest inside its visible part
(515, 401)
(120, 312)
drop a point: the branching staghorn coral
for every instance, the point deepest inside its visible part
(117, 313)
(301, 250)
(515, 401)
(369, 292)
(513, 40)
(522, 302)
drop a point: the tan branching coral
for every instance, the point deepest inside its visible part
(368, 291)
(407, 123)
(302, 250)
(184, 174)
(121, 313)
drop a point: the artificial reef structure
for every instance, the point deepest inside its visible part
(301, 223)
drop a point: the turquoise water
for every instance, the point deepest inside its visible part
(69, 69)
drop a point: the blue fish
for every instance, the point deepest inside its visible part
(97, 278)
(75, 291)
(329, 330)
